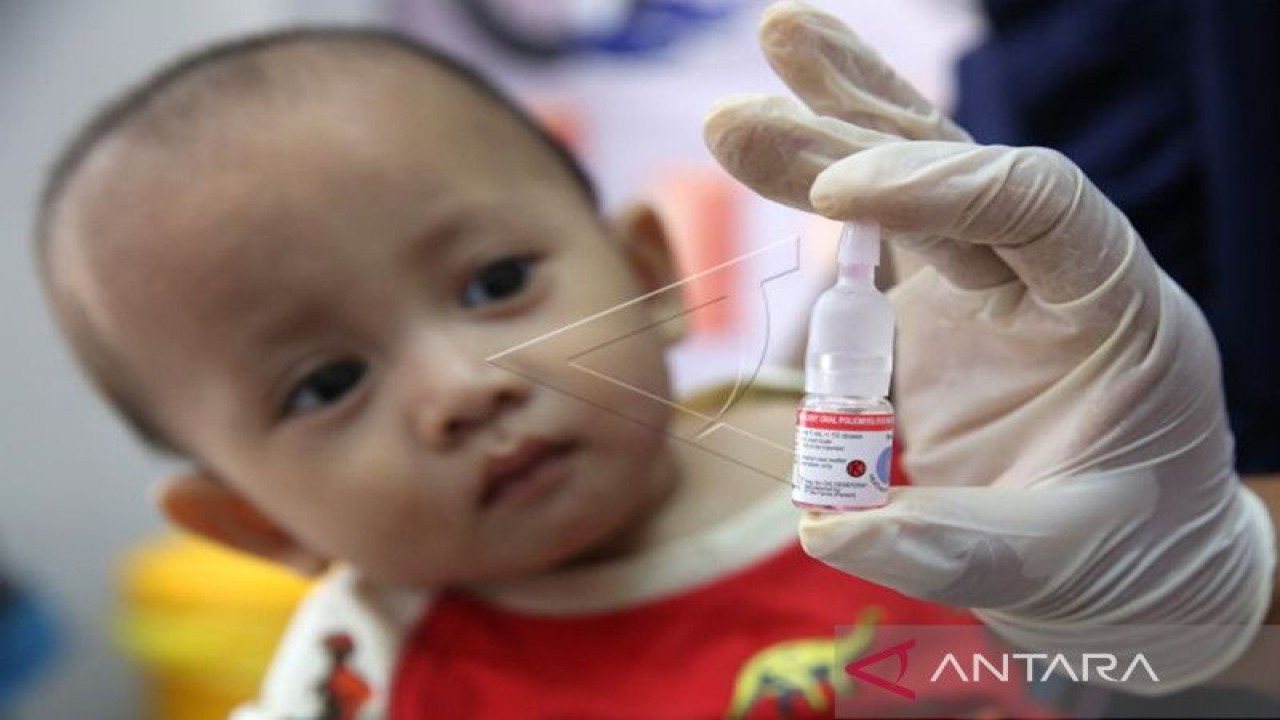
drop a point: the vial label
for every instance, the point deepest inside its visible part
(842, 459)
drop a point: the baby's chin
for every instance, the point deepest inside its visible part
(627, 535)
(594, 531)
(603, 541)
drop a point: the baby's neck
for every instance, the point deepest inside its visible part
(716, 475)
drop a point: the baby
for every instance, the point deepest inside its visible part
(291, 260)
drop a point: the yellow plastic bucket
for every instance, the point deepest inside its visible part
(202, 623)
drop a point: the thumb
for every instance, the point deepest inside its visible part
(1032, 206)
(991, 547)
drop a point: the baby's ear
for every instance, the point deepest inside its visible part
(202, 504)
(648, 250)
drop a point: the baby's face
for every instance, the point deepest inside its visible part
(308, 305)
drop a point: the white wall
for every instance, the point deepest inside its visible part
(71, 483)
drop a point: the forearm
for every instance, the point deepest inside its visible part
(1268, 488)
(1256, 669)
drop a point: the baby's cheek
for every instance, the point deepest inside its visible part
(398, 530)
(343, 482)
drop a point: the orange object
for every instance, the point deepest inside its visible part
(202, 623)
(564, 121)
(699, 204)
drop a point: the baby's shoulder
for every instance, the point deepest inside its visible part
(345, 635)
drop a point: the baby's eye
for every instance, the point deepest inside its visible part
(324, 386)
(498, 281)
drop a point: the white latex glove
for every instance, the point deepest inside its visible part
(1059, 396)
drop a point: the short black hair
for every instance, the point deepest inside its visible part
(227, 66)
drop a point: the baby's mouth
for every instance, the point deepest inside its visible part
(531, 466)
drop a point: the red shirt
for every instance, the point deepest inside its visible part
(757, 643)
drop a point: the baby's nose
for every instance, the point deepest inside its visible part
(460, 395)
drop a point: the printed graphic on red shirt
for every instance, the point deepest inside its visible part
(342, 692)
(799, 678)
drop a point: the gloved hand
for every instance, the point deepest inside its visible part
(1059, 396)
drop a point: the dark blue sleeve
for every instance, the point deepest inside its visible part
(28, 642)
(1172, 107)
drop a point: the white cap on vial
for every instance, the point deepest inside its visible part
(859, 244)
(850, 351)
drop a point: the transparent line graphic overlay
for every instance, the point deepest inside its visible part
(573, 345)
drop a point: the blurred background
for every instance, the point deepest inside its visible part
(625, 83)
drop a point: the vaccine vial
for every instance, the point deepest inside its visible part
(845, 424)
